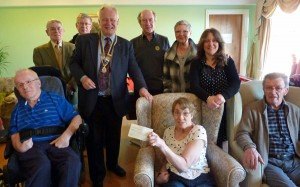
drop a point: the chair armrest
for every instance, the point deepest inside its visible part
(143, 112)
(9, 149)
(84, 129)
(226, 170)
(253, 177)
(4, 136)
(144, 167)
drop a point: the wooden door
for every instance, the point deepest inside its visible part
(230, 27)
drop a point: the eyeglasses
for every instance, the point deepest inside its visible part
(54, 29)
(270, 89)
(84, 24)
(181, 32)
(185, 114)
(26, 83)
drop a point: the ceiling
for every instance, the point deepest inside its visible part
(9, 3)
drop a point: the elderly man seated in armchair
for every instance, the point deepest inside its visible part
(269, 134)
(49, 152)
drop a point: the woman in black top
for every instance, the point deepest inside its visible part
(213, 75)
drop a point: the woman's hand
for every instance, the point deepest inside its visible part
(155, 140)
(215, 101)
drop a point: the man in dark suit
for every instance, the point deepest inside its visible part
(100, 64)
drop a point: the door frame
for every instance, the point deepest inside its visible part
(245, 31)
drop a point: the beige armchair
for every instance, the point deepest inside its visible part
(225, 169)
(249, 92)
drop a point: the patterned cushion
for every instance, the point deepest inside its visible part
(7, 85)
(9, 100)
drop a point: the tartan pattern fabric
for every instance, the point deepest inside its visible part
(280, 139)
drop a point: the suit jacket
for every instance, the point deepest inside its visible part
(84, 62)
(44, 55)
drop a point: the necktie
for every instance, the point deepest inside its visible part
(104, 68)
(107, 45)
(58, 56)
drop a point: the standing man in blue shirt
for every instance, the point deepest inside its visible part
(42, 154)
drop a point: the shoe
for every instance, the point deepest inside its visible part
(118, 171)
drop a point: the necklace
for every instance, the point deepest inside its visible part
(106, 58)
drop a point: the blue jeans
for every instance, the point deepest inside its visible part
(283, 172)
(204, 180)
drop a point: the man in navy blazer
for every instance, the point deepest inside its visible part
(103, 107)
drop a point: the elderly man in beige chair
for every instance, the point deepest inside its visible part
(269, 134)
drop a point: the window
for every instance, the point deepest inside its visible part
(284, 42)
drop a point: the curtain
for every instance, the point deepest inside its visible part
(258, 52)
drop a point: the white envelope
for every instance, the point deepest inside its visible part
(139, 132)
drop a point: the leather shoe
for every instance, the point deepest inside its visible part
(118, 171)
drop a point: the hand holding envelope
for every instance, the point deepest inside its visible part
(139, 132)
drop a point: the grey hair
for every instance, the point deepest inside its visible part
(53, 21)
(33, 73)
(106, 6)
(183, 22)
(83, 16)
(276, 75)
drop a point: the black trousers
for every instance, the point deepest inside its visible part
(42, 160)
(105, 131)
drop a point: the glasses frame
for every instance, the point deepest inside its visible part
(26, 83)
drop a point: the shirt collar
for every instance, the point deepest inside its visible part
(112, 38)
(153, 35)
(282, 105)
(42, 95)
(54, 44)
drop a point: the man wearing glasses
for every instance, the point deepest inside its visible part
(100, 64)
(269, 134)
(42, 152)
(83, 25)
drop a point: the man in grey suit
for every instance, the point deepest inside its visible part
(56, 52)
(100, 64)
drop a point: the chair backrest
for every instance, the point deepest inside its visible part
(52, 84)
(49, 71)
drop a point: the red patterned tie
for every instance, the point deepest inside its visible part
(107, 45)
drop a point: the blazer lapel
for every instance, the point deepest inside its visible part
(51, 54)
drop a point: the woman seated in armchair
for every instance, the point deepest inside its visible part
(184, 149)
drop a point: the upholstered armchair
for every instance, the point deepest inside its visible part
(249, 92)
(158, 116)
